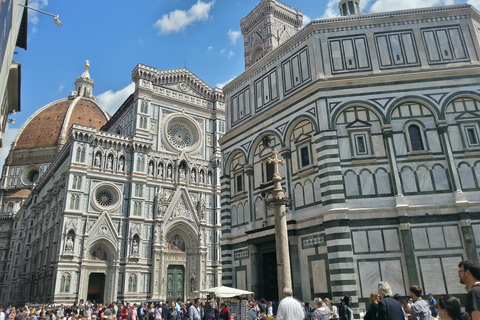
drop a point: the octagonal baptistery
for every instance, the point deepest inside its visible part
(43, 135)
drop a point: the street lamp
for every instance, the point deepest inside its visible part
(55, 17)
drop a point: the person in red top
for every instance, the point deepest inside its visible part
(224, 312)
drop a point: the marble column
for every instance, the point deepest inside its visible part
(281, 233)
(409, 250)
(468, 237)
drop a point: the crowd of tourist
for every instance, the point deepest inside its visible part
(383, 305)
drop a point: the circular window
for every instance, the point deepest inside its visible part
(106, 197)
(179, 136)
(182, 133)
(30, 175)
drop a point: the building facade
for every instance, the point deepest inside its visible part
(115, 208)
(376, 117)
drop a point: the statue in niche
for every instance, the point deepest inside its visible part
(209, 178)
(97, 160)
(169, 172)
(121, 164)
(201, 177)
(176, 243)
(182, 174)
(110, 162)
(193, 277)
(160, 170)
(69, 244)
(99, 254)
(192, 176)
(135, 246)
(150, 169)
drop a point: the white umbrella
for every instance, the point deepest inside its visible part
(226, 292)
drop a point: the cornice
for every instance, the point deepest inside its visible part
(351, 23)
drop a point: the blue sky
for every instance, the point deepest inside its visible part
(203, 35)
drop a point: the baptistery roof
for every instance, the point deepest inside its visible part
(45, 132)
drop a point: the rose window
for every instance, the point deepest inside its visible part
(179, 136)
(104, 198)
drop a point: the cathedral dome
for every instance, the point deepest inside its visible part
(45, 132)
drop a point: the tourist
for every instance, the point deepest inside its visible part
(224, 312)
(388, 308)
(469, 274)
(320, 312)
(449, 308)
(373, 309)
(289, 307)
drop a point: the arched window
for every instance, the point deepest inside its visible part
(415, 136)
(65, 282)
(80, 157)
(132, 283)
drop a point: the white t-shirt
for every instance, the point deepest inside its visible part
(290, 309)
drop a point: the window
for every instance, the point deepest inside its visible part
(143, 122)
(239, 183)
(296, 70)
(65, 282)
(266, 90)
(349, 54)
(471, 135)
(141, 164)
(77, 182)
(138, 190)
(80, 157)
(396, 49)
(305, 156)
(240, 107)
(269, 171)
(132, 283)
(137, 209)
(444, 44)
(75, 202)
(146, 282)
(360, 144)
(415, 137)
(144, 107)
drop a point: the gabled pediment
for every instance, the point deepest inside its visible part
(302, 137)
(183, 81)
(103, 228)
(358, 124)
(181, 207)
(468, 116)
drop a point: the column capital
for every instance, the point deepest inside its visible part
(404, 226)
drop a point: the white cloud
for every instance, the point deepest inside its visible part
(475, 3)
(179, 20)
(111, 101)
(210, 48)
(392, 5)
(221, 85)
(37, 4)
(231, 54)
(306, 20)
(10, 135)
(60, 88)
(332, 9)
(223, 51)
(234, 35)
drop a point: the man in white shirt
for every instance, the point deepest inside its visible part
(194, 311)
(289, 308)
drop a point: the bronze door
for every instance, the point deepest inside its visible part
(175, 283)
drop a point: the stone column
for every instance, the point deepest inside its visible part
(387, 136)
(468, 236)
(256, 285)
(442, 129)
(281, 233)
(408, 250)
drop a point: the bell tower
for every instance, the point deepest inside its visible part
(265, 28)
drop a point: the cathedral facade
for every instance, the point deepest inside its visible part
(376, 117)
(114, 208)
